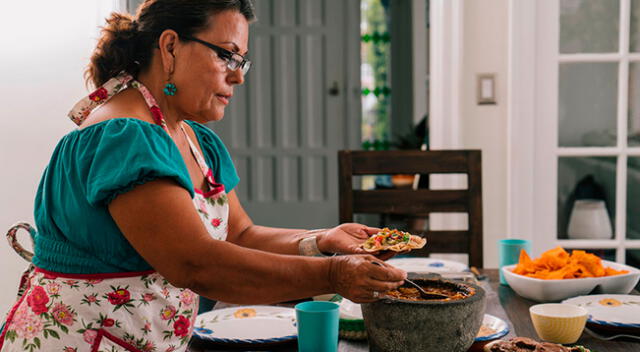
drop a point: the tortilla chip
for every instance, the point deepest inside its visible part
(557, 264)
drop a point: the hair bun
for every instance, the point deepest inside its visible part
(116, 49)
(120, 23)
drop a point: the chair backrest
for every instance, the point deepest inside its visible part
(418, 202)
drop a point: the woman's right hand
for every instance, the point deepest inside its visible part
(356, 278)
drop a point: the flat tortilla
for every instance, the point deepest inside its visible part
(393, 240)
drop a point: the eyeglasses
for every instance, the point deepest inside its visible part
(234, 60)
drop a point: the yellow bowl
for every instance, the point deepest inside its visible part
(557, 322)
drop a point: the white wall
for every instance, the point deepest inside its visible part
(485, 48)
(45, 46)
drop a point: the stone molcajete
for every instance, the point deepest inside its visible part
(433, 325)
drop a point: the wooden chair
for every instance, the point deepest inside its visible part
(418, 202)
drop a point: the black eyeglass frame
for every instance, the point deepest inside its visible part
(224, 54)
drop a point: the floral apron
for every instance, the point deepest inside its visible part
(139, 311)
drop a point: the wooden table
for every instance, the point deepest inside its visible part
(502, 302)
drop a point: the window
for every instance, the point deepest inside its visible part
(374, 71)
(588, 134)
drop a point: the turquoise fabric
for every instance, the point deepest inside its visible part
(217, 156)
(87, 170)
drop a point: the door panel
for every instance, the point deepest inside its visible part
(283, 129)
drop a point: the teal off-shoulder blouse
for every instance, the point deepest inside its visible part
(88, 169)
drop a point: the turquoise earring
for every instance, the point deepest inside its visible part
(170, 89)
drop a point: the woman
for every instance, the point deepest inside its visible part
(136, 209)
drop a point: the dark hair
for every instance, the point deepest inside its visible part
(126, 42)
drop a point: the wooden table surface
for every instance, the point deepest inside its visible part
(502, 302)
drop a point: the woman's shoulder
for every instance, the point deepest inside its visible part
(127, 135)
(125, 130)
(113, 156)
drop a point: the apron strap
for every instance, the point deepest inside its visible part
(206, 171)
(83, 108)
(115, 85)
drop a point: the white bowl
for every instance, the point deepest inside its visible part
(556, 290)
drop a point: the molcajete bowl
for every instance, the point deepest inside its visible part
(401, 325)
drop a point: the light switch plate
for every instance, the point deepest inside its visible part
(486, 94)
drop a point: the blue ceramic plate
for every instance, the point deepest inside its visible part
(612, 312)
(427, 265)
(247, 325)
(492, 328)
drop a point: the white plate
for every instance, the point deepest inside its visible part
(610, 310)
(427, 265)
(247, 325)
(556, 290)
(492, 322)
(350, 310)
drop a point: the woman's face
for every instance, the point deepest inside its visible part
(205, 84)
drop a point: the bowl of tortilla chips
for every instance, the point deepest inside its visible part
(558, 274)
(393, 240)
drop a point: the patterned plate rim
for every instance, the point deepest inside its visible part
(246, 341)
(605, 322)
(444, 262)
(612, 323)
(497, 334)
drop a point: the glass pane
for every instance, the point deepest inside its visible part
(633, 116)
(586, 197)
(633, 198)
(587, 104)
(634, 35)
(633, 258)
(374, 72)
(589, 26)
(606, 254)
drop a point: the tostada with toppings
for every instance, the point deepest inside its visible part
(393, 240)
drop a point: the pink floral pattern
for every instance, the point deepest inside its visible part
(53, 288)
(63, 314)
(168, 312)
(187, 297)
(27, 325)
(89, 336)
(181, 326)
(119, 297)
(215, 216)
(38, 300)
(99, 94)
(56, 316)
(148, 297)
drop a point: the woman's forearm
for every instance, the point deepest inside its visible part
(227, 272)
(272, 239)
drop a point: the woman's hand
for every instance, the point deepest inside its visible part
(359, 280)
(347, 239)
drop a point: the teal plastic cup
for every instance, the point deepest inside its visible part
(509, 253)
(317, 326)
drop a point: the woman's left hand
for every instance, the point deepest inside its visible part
(347, 238)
